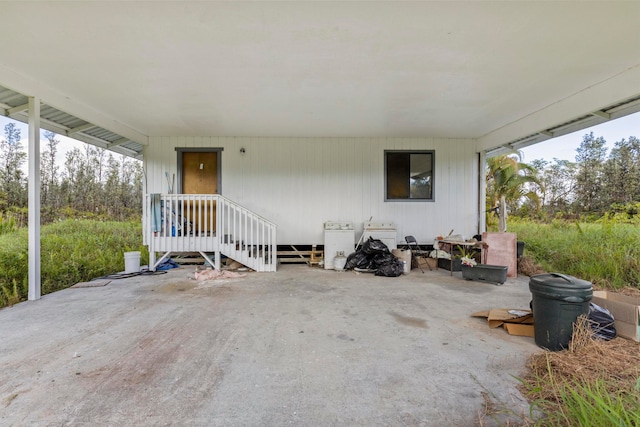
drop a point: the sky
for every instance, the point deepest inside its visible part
(66, 144)
(562, 148)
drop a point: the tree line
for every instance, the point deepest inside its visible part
(598, 183)
(93, 182)
(96, 183)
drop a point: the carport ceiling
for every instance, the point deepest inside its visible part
(437, 69)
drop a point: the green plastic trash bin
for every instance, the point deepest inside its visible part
(557, 302)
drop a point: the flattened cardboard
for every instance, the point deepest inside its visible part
(483, 313)
(514, 324)
(519, 329)
(625, 310)
(91, 284)
(627, 330)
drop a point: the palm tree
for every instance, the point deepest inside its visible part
(506, 179)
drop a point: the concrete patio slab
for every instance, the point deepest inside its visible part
(302, 346)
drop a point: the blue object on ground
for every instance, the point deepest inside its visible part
(167, 264)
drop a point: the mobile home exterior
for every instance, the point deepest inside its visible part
(304, 104)
(299, 183)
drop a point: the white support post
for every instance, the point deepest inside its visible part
(219, 232)
(34, 199)
(482, 192)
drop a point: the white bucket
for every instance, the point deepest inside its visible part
(132, 262)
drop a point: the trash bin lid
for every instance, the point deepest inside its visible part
(559, 282)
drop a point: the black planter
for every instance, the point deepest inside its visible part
(446, 264)
(485, 273)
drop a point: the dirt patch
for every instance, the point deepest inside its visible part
(177, 287)
(410, 321)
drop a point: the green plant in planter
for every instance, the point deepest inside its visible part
(466, 256)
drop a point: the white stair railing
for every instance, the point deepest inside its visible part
(208, 223)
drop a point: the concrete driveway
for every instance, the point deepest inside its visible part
(302, 346)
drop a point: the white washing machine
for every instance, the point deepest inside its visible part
(339, 236)
(385, 231)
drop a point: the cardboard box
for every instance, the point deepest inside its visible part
(514, 321)
(424, 262)
(625, 311)
(519, 329)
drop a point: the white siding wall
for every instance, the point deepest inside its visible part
(299, 183)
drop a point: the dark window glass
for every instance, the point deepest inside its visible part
(409, 175)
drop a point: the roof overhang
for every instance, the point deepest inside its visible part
(15, 105)
(503, 74)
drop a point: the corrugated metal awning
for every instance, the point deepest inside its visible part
(612, 112)
(15, 106)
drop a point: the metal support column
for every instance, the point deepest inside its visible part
(34, 199)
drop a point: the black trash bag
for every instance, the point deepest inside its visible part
(380, 259)
(391, 269)
(602, 322)
(357, 260)
(373, 265)
(369, 263)
(374, 246)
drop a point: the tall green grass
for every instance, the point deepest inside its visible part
(72, 251)
(582, 403)
(605, 253)
(592, 405)
(8, 223)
